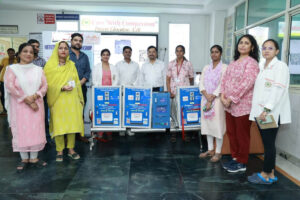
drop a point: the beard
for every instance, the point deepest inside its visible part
(75, 47)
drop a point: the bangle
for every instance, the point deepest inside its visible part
(267, 110)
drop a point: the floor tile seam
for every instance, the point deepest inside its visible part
(180, 173)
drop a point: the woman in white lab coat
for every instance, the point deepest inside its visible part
(270, 97)
(105, 74)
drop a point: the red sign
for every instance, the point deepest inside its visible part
(49, 18)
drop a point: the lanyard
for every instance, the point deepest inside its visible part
(178, 71)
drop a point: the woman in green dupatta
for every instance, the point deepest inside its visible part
(65, 100)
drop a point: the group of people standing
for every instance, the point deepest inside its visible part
(244, 91)
(232, 96)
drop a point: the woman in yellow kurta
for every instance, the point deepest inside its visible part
(65, 100)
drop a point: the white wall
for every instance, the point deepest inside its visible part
(288, 139)
(199, 35)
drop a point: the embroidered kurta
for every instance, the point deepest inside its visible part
(180, 75)
(238, 84)
(271, 90)
(215, 126)
(27, 126)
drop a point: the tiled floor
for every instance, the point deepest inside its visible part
(145, 166)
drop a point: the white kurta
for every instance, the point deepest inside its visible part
(271, 90)
(216, 126)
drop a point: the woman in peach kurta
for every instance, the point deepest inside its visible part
(213, 116)
(25, 86)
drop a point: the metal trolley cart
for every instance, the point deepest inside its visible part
(143, 111)
(106, 102)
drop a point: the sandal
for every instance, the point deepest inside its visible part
(74, 156)
(206, 154)
(59, 158)
(216, 157)
(21, 166)
(257, 178)
(39, 164)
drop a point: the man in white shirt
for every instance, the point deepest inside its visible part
(128, 74)
(153, 72)
(128, 70)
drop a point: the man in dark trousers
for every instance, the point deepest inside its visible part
(82, 64)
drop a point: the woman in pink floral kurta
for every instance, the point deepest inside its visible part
(25, 85)
(236, 95)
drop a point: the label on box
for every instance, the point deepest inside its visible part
(107, 117)
(191, 117)
(138, 117)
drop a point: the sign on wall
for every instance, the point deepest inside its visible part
(125, 24)
(45, 18)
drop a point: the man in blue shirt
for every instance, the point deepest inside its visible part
(81, 61)
(82, 64)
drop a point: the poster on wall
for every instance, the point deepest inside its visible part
(228, 36)
(294, 58)
(89, 40)
(137, 104)
(106, 106)
(10, 42)
(189, 106)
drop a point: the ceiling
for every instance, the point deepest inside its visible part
(120, 6)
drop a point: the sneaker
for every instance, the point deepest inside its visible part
(228, 164)
(130, 133)
(238, 167)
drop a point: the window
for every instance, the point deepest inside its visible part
(270, 30)
(258, 9)
(179, 34)
(240, 16)
(294, 55)
(66, 25)
(295, 2)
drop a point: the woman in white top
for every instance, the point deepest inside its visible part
(105, 74)
(212, 112)
(270, 97)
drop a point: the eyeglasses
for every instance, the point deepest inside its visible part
(268, 48)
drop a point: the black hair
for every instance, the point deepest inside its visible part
(105, 50)
(152, 47)
(127, 47)
(63, 42)
(10, 49)
(254, 53)
(217, 47)
(31, 41)
(274, 42)
(21, 47)
(76, 35)
(183, 49)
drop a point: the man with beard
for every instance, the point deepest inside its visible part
(37, 59)
(153, 72)
(82, 64)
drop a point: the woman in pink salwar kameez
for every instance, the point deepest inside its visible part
(25, 86)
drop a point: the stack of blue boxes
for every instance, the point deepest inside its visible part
(160, 110)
